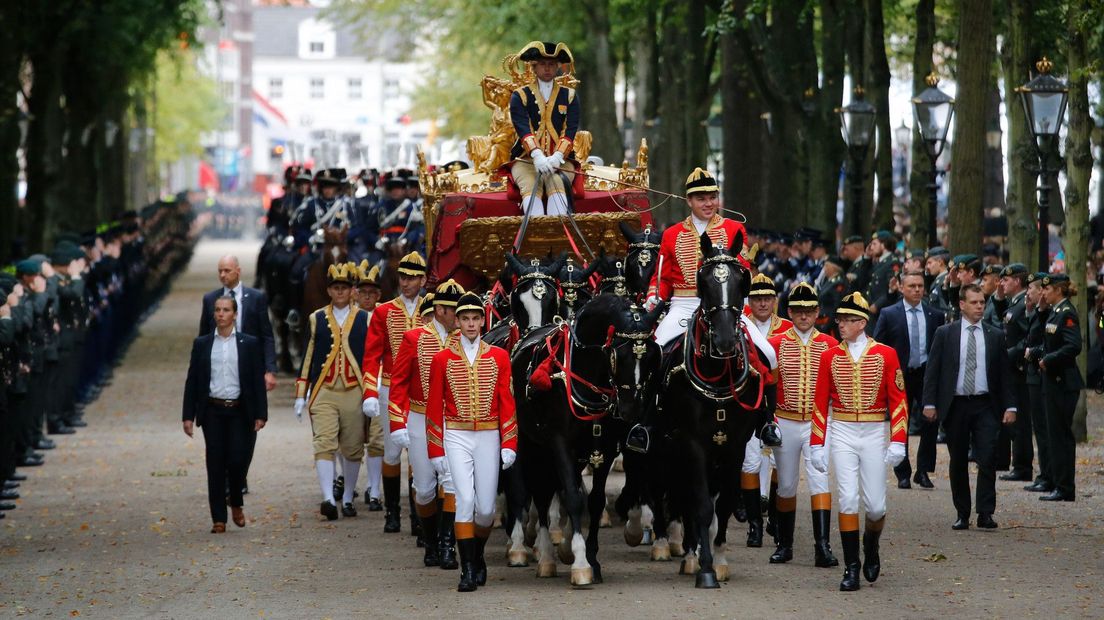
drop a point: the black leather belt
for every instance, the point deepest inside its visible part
(224, 402)
(974, 397)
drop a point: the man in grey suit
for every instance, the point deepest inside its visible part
(967, 388)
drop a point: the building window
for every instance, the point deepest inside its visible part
(390, 88)
(317, 88)
(317, 47)
(227, 89)
(275, 88)
(355, 88)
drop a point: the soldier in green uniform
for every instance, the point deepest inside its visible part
(935, 267)
(1037, 312)
(995, 302)
(885, 269)
(830, 292)
(858, 273)
(1062, 382)
(965, 269)
(1016, 440)
(69, 263)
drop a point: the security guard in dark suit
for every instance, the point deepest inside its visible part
(1037, 313)
(1062, 382)
(1016, 440)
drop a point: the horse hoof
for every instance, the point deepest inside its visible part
(676, 549)
(633, 535)
(706, 579)
(605, 520)
(722, 572)
(649, 536)
(565, 554)
(556, 536)
(661, 554)
(689, 566)
(546, 569)
(582, 576)
(517, 558)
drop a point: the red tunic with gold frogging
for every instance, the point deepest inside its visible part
(470, 397)
(860, 391)
(680, 252)
(385, 332)
(410, 372)
(796, 373)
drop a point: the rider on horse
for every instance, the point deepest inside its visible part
(546, 118)
(327, 209)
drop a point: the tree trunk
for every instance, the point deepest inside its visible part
(920, 195)
(1079, 165)
(1021, 205)
(877, 85)
(975, 55)
(826, 148)
(743, 182)
(44, 171)
(9, 135)
(600, 108)
(857, 217)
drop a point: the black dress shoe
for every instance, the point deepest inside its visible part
(60, 429)
(921, 478)
(1016, 476)
(963, 523)
(9, 494)
(328, 510)
(985, 521)
(76, 423)
(374, 505)
(7, 506)
(904, 483)
(17, 477)
(45, 444)
(348, 510)
(1057, 496)
(1039, 487)
(9, 485)
(32, 460)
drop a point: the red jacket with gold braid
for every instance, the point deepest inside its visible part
(796, 373)
(410, 372)
(862, 391)
(470, 397)
(680, 253)
(778, 326)
(385, 332)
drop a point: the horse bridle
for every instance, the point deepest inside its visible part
(646, 248)
(639, 342)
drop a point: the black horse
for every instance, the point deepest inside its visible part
(573, 383)
(575, 284)
(641, 259)
(274, 271)
(713, 389)
(534, 300)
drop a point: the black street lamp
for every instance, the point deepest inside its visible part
(1044, 100)
(934, 110)
(714, 136)
(857, 125)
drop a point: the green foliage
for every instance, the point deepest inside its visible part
(187, 104)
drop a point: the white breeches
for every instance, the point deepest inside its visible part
(858, 460)
(425, 478)
(392, 454)
(678, 316)
(793, 456)
(474, 461)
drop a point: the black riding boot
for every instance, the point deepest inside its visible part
(872, 563)
(391, 501)
(415, 522)
(467, 551)
(446, 541)
(784, 552)
(822, 529)
(430, 524)
(772, 508)
(851, 563)
(754, 517)
(479, 563)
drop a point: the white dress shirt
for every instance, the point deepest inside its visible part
(442, 333)
(981, 379)
(922, 329)
(764, 327)
(855, 349)
(545, 89)
(224, 367)
(804, 336)
(340, 314)
(699, 225)
(471, 348)
(236, 293)
(410, 304)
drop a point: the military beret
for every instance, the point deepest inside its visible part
(1055, 278)
(1014, 269)
(1036, 277)
(839, 261)
(966, 261)
(28, 267)
(992, 270)
(917, 254)
(938, 252)
(853, 239)
(885, 237)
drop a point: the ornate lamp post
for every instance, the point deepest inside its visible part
(857, 125)
(1044, 100)
(934, 110)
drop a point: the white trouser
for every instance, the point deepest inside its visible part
(556, 205)
(392, 454)
(474, 461)
(678, 316)
(858, 460)
(425, 477)
(792, 455)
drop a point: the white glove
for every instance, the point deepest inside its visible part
(819, 459)
(555, 160)
(508, 458)
(401, 438)
(370, 406)
(300, 405)
(440, 465)
(540, 162)
(895, 453)
(651, 303)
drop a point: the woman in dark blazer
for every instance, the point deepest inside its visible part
(228, 400)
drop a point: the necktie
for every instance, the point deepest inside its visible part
(914, 338)
(971, 361)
